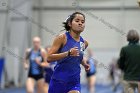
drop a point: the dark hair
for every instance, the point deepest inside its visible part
(133, 36)
(70, 18)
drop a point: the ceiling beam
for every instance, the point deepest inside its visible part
(132, 8)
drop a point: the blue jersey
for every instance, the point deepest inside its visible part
(92, 65)
(68, 68)
(35, 69)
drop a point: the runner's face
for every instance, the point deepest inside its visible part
(36, 43)
(78, 23)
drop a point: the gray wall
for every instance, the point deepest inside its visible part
(97, 32)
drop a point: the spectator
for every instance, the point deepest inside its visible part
(129, 62)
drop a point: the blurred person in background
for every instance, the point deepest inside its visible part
(35, 60)
(115, 74)
(111, 71)
(129, 62)
(91, 78)
(48, 73)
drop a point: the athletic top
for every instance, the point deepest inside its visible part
(35, 69)
(92, 65)
(68, 68)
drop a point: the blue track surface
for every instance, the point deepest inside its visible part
(99, 89)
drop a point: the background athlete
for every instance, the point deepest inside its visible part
(35, 60)
(91, 77)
